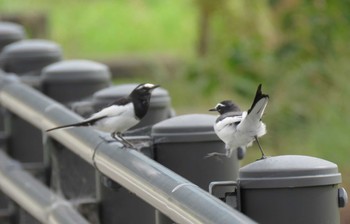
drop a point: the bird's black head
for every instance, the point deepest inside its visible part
(141, 97)
(144, 89)
(225, 106)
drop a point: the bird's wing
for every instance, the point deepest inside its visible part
(121, 101)
(227, 120)
(112, 111)
(251, 119)
(83, 123)
(259, 103)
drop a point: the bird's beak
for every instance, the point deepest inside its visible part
(155, 86)
(212, 109)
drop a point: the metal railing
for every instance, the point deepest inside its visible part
(33, 196)
(168, 192)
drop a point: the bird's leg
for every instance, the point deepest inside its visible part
(228, 152)
(119, 135)
(261, 150)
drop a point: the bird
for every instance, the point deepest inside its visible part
(239, 129)
(121, 115)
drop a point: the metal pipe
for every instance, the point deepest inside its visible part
(165, 190)
(33, 196)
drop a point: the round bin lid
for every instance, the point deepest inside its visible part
(11, 31)
(289, 171)
(185, 128)
(75, 70)
(31, 49)
(160, 96)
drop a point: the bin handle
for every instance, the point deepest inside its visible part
(342, 197)
(215, 184)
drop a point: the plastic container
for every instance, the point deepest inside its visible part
(29, 56)
(291, 189)
(9, 33)
(72, 80)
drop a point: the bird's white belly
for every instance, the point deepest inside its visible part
(235, 138)
(116, 124)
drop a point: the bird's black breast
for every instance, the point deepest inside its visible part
(141, 106)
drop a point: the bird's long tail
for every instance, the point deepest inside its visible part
(79, 124)
(69, 125)
(259, 103)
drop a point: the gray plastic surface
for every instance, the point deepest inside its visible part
(289, 171)
(11, 31)
(185, 128)
(31, 48)
(75, 71)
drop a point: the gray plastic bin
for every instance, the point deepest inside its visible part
(181, 144)
(29, 56)
(26, 58)
(69, 81)
(118, 205)
(9, 33)
(72, 80)
(291, 189)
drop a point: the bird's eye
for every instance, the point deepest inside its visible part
(237, 122)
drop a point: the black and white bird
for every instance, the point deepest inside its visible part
(239, 129)
(121, 115)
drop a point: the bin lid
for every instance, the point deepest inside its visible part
(31, 48)
(185, 128)
(289, 171)
(11, 31)
(160, 97)
(68, 71)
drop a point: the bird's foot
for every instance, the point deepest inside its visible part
(119, 137)
(127, 145)
(263, 157)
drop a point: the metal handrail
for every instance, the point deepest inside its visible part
(165, 190)
(34, 196)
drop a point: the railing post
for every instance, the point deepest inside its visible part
(299, 189)
(40, 204)
(9, 33)
(117, 203)
(66, 82)
(182, 143)
(26, 58)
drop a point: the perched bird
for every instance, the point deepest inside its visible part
(239, 129)
(121, 115)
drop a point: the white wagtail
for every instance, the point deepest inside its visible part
(239, 129)
(121, 115)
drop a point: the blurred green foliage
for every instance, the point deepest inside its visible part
(297, 49)
(106, 28)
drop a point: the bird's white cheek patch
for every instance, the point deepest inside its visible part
(148, 85)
